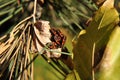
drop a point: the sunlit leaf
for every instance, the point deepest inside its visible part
(96, 36)
(110, 67)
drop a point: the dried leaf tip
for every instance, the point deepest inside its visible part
(109, 4)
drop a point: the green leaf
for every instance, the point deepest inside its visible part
(96, 36)
(73, 76)
(110, 66)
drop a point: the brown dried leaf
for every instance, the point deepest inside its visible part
(42, 36)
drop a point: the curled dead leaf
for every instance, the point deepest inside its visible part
(49, 38)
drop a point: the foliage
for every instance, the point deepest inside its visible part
(26, 32)
(86, 48)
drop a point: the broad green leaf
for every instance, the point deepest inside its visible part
(96, 36)
(73, 76)
(110, 65)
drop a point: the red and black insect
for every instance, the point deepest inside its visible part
(57, 38)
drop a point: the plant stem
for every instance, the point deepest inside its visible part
(34, 11)
(52, 50)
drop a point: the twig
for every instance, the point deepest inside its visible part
(34, 11)
(53, 50)
(21, 22)
(93, 61)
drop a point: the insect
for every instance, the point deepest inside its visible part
(58, 41)
(57, 38)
